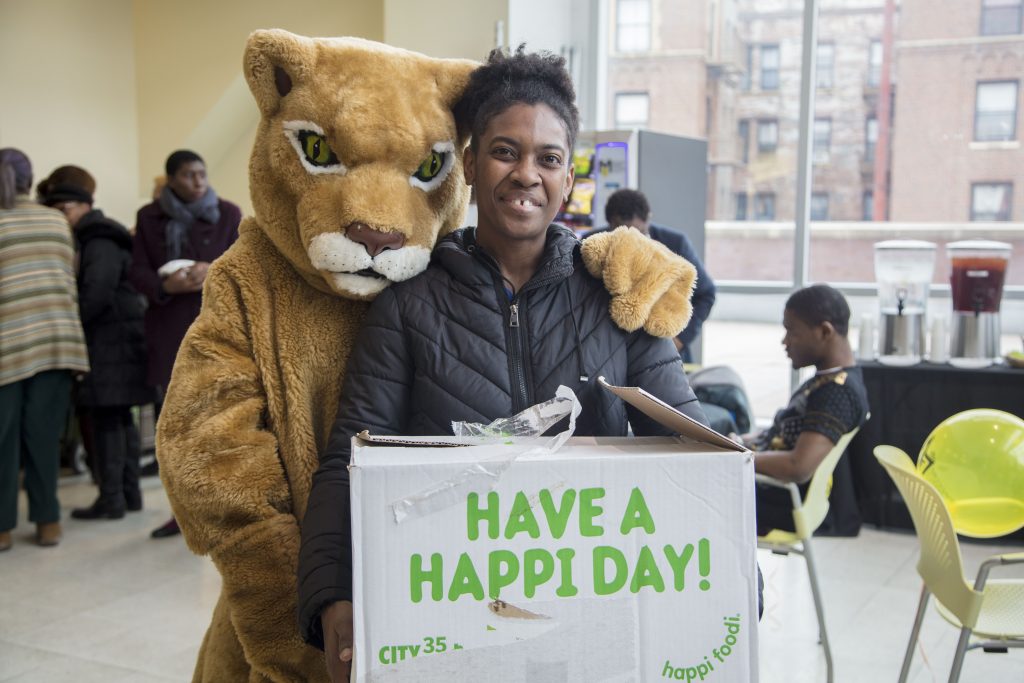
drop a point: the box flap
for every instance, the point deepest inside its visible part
(665, 414)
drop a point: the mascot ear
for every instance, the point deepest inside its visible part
(452, 77)
(274, 61)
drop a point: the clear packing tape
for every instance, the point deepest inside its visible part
(482, 476)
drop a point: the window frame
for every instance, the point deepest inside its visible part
(743, 134)
(630, 93)
(819, 154)
(819, 196)
(740, 203)
(1017, 6)
(870, 142)
(762, 148)
(973, 214)
(765, 199)
(1015, 112)
(875, 70)
(818, 72)
(619, 24)
(777, 70)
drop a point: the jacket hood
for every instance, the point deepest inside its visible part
(94, 225)
(460, 255)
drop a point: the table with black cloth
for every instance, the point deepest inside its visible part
(907, 403)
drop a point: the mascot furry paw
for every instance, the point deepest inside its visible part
(355, 174)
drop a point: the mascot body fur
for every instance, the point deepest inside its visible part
(354, 137)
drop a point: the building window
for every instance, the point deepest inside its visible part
(767, 135)
(743, 140)
(633, 26)
(822, 139)
(764, 206)
(991, 201)
(995, 111)
(741, 206)
(825, 66)
(631, 109)
(769, 67)
(870, 138)
(875, 64)
(1001, 17)
(819, 206)
(745, 79)
(867, 206)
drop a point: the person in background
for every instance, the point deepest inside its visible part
(630, 207)
(188, 224)
(830, 404)
(41, 347)
(111, 311)
(515, 265)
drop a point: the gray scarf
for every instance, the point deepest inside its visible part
(183, 215)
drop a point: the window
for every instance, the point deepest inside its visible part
(745, 79)
(819, 206)
(1000, 17)
(823, 76)
(991, 201)
(875, 64)
(633, 26)
(995, 111)
(764, 206)
(767, 135)
(631, 109)
(822, 139)
(741, 206)
(769, 67)
(867, 206)
(743, 140)
(870, 138)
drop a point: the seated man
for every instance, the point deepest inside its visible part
(825, 407)
(630, 207)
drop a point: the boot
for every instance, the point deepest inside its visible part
(48, 534)
(101, 509)
(5, 541)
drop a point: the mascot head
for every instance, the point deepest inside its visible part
(357, 166)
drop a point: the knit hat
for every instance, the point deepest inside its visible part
(67, 184)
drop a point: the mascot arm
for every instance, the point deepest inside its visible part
(650, 286)
(227, 487)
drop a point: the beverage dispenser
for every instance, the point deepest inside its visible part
(903, 269)
(978, 270)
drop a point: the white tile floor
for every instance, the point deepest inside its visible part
(110, 604)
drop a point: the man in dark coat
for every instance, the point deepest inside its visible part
(177, 236)
(630, 207)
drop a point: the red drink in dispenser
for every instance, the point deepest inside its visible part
(977, 283)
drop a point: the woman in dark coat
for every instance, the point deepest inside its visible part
(112, 312)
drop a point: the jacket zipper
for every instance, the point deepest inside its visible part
(521, 395)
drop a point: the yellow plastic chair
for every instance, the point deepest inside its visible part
(808, 514)
(991, 610)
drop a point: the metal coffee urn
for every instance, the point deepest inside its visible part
(978, 270)
(903, 269)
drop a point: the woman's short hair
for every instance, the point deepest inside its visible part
(818, 304)
(520, 77)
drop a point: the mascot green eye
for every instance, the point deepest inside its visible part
(430, 167)
(316, 149)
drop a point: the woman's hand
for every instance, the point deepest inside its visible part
(336, 622)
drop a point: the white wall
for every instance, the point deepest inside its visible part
(446, 28)
(67, 78)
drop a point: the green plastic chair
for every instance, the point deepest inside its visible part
(808, 514)
(990, 610)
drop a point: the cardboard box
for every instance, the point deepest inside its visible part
(612, 559)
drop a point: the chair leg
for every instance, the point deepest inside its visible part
(914, 633)
(819, 605)
(958, 658)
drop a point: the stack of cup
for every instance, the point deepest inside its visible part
(938, 342)
(866, 344)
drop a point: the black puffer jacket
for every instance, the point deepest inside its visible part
(449, 345)
(111, 312)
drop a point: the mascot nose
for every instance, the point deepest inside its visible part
(374, 241)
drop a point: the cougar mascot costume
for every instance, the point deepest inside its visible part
(356, 139)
